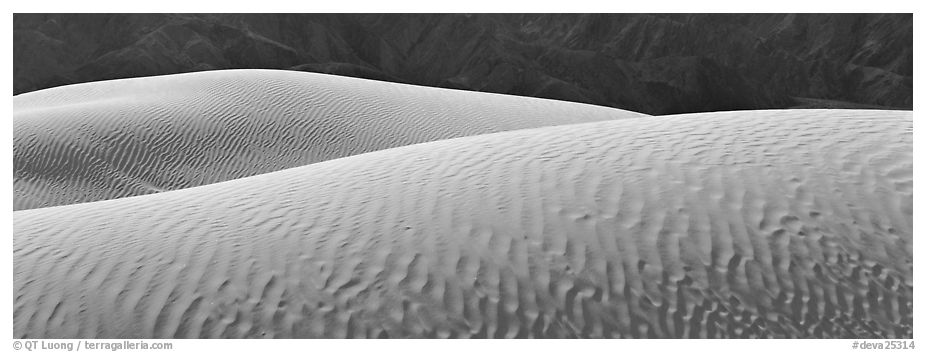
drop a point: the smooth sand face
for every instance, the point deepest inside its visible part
(767, 223)
(121, 138)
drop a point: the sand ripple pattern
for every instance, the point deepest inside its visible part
(743, 224)
(113, 139)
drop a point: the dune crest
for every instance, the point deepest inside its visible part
(121, 138)
(742, 224)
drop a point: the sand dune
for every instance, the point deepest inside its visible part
(766, 223)
(112, 139)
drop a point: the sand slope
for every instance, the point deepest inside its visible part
(129, 137)
(770, 224)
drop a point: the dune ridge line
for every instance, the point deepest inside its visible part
(120, 138)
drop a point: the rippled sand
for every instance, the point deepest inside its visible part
(121, 138)
(740, 224)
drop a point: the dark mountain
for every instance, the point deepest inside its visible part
(653, 63)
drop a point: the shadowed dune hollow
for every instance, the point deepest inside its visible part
(740, 224)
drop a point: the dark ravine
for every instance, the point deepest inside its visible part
(651, 63)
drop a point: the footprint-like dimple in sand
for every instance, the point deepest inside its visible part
(120, 138)
(739, 224)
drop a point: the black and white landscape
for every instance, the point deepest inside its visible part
(463, 176)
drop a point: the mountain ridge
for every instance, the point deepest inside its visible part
(650, 63)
